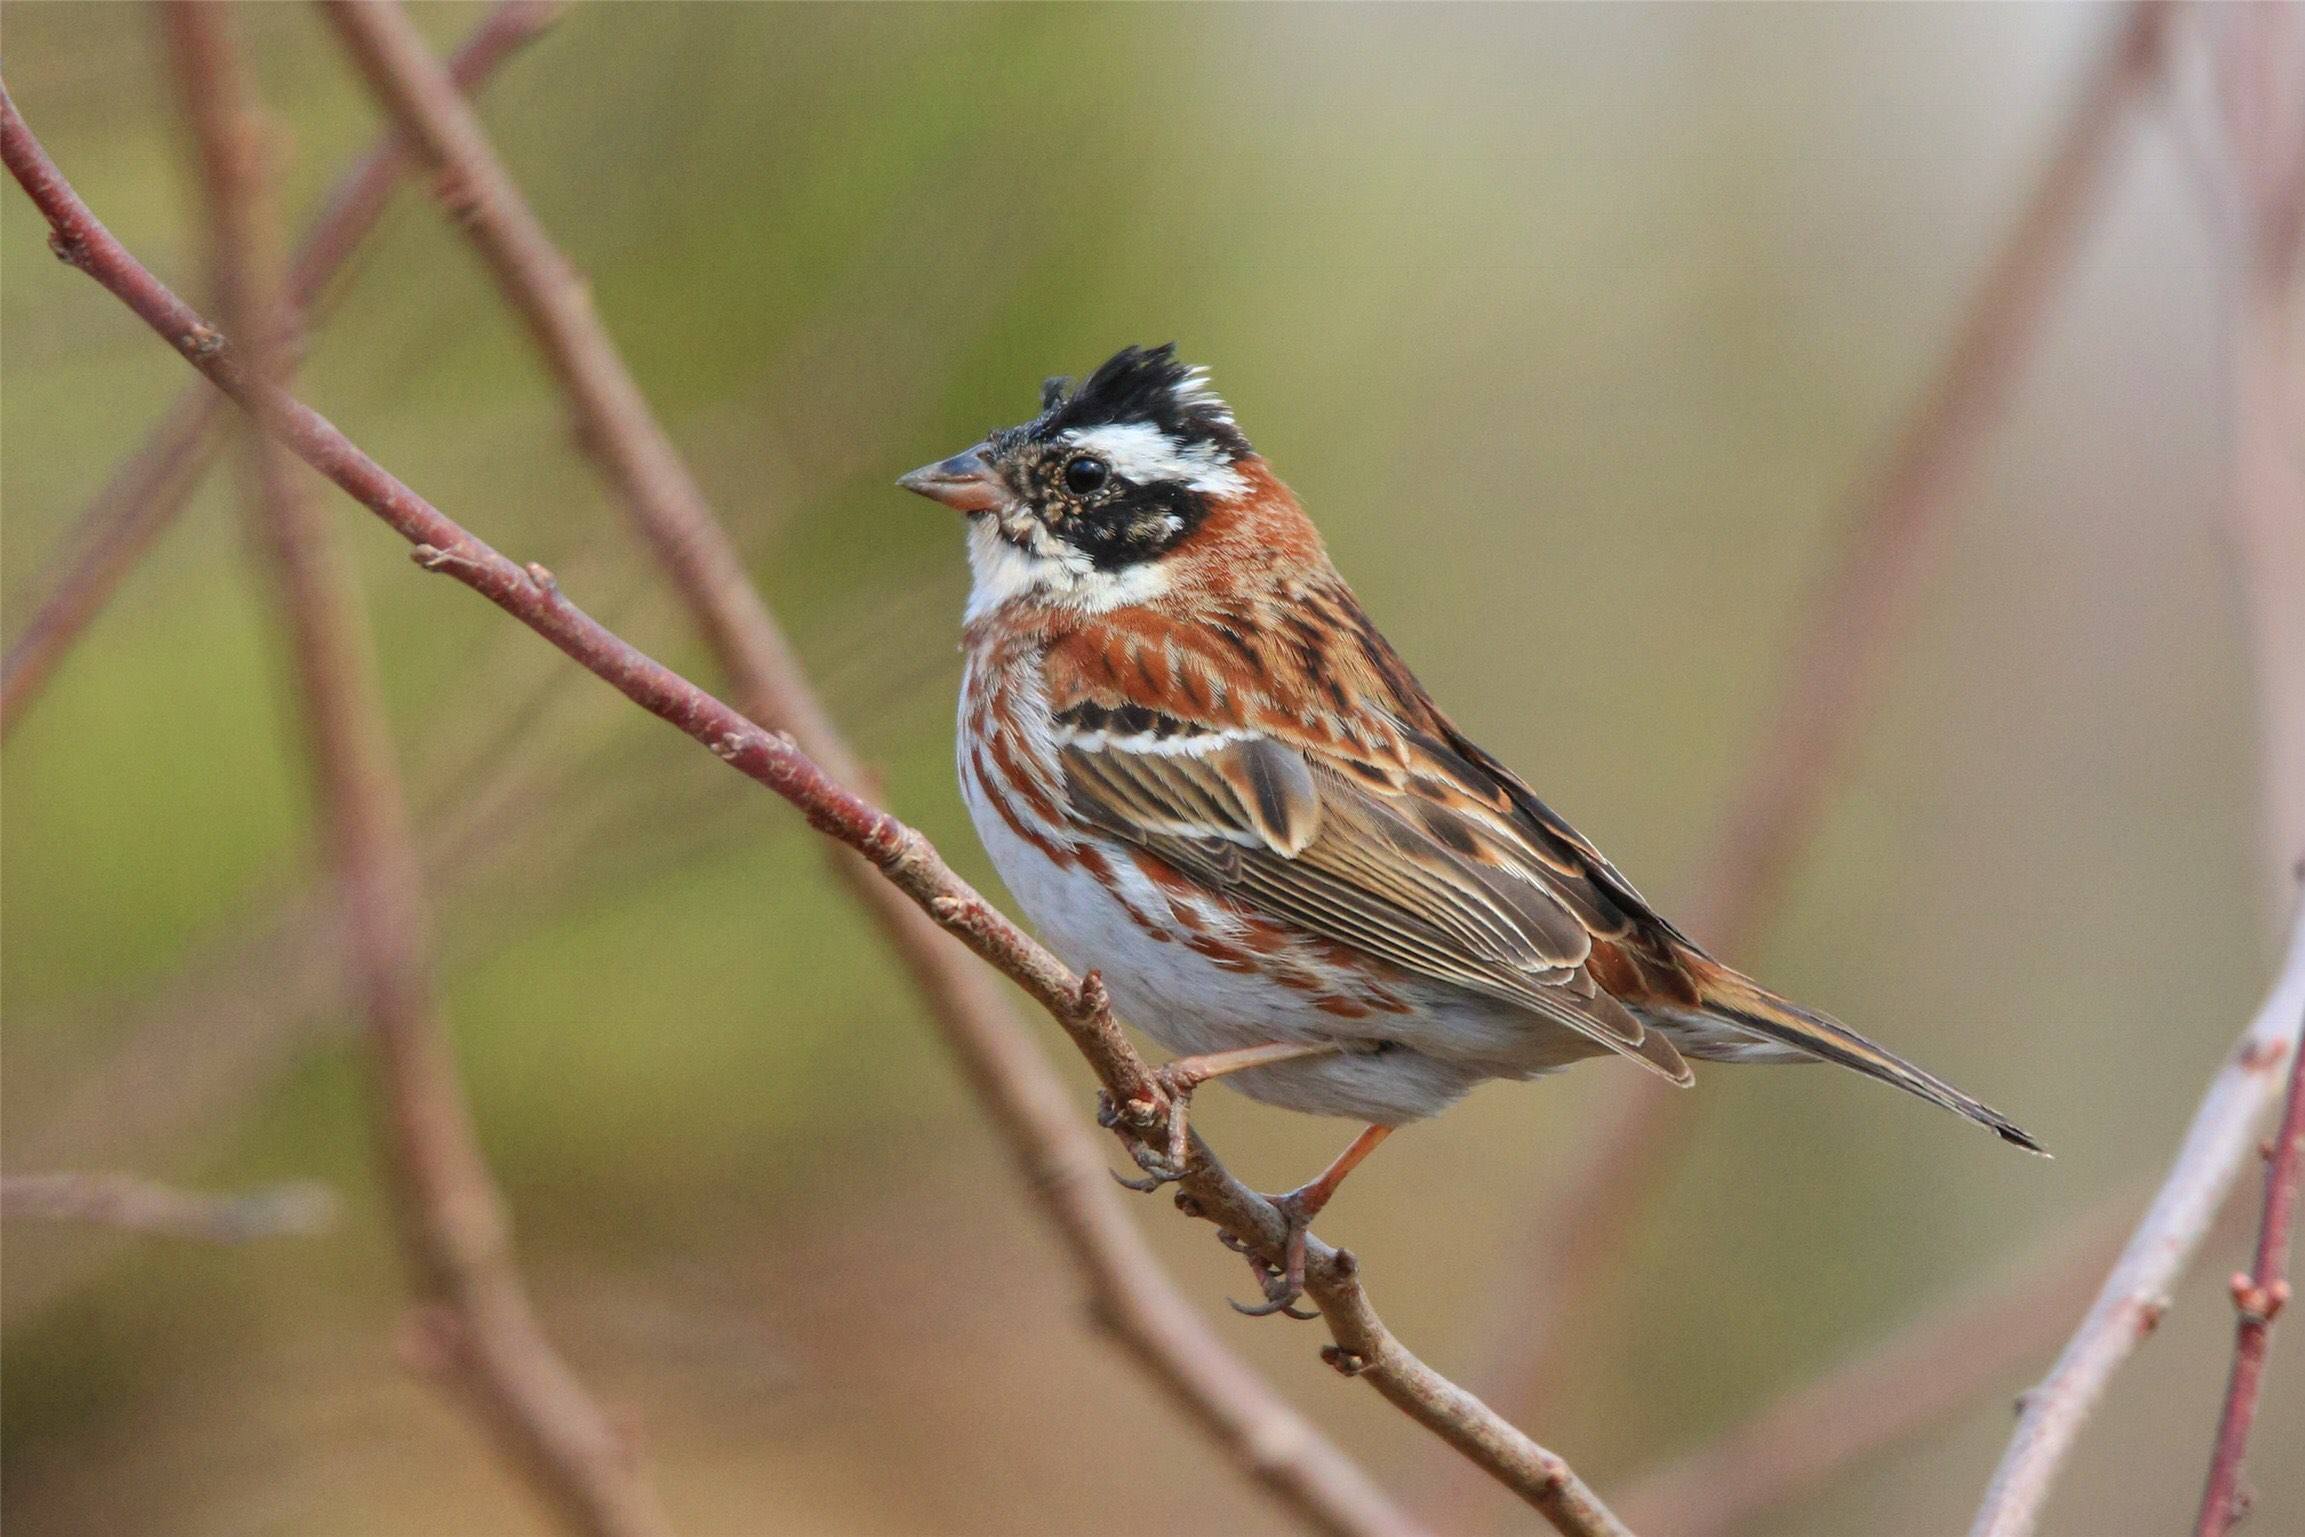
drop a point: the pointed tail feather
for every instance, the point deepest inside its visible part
(1739, 1000)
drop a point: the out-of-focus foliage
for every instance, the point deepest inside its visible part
(1571, 325)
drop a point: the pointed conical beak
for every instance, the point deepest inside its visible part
(967, 482)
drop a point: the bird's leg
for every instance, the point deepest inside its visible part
(1178, 1079)
(1298, 1208)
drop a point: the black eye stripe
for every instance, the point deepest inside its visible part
(1138, 524)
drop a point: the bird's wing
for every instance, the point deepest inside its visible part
(1379, 858)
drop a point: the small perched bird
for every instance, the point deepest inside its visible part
(1202, 771)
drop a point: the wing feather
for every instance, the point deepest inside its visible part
(1436, 893)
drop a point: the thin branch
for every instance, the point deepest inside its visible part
(497, 793)
(452, 1218)
(1028, 1102)
(151, 486)
(2258, 1296)
(1919, 1376)
(905, 858)
(1836, 666)
(1129, 1295)
(519, 786)
(2266, 146)
(2261, 82)
(614, 422)
(130, 1204)
(2217, 1146)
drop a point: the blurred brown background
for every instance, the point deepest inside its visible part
(1572, 326)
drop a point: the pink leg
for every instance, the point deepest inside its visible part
(1186, 1074)
(1309, 1199)
(1298, 1208)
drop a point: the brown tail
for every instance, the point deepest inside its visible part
(1741, 1001)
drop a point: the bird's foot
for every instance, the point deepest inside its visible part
(1159, 1140)
(1283, 1284)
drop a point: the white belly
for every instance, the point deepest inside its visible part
(1181, 999)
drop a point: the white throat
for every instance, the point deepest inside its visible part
(1001, 570)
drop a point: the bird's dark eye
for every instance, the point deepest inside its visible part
(1085, 474)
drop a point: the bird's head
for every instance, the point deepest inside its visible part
(1082, 505)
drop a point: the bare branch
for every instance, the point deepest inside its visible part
(2258, 1296)
(134, 1205)
(2266, 148)
(1836, 666)
(907, 860)
(151, 486)
(2128, 1307)
(1930, 1369)
(2262, 83)
(1028, 1102)
(500, 788)
(614, 423)
(452, 1218)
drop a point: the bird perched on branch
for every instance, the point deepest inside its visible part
(1203, 772)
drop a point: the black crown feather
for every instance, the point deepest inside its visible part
(1148, 385)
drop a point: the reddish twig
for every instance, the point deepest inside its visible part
(151, 486)
(1836, 664)
(516, 812)
(1061, 1159)
(2259, 1294)
(2266, 148)
(502, 792)
(130, 1204)
(2131, 1302)
(498, 794)
(614, 423)
(1363, 1346)
(477, 1314)
(1925, 1372)
(2261, 84)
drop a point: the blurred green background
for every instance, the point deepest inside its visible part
(1572, 326)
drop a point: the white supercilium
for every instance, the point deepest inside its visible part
(1143, 453)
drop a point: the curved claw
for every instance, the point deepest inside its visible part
(1281, 1294)
(1159, 1170)
(1284, 1283)
(1272, 1305)
(1164, 1169)
(1165, 1164)
(1154, 1177)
